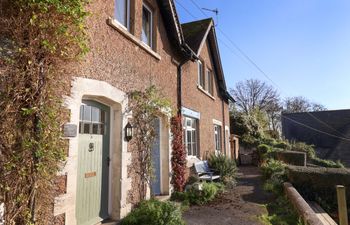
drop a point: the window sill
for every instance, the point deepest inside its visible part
(115, 25)
(205, 92)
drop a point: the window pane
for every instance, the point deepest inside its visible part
(188, 122)
(194, 124)
(103, 116)
(86, 129)
(189, 137)
(189, 150)
(146, 26)
(95, 114)
(200, 74)
(121, 9)
(87, 113)
(194, 149)
(194, 143)
(81, 112)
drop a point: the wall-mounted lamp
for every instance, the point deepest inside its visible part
(128, 131)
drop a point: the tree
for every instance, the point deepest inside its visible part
(301, 104)
(254, 95)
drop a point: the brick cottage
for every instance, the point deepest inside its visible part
(135, 44)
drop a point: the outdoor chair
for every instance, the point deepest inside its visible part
(204, 172)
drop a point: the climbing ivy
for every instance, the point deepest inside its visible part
(37, 38)
(146, 106)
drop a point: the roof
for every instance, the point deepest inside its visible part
(328, 131)
(173, 26)
(196, 33)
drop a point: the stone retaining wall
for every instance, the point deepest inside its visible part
(304, 210)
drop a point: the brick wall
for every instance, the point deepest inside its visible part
(117, 58)
(209, 107)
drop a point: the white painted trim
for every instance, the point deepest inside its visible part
(190, 113)
(151, 25)
(217, 122)
(116, 25)
(227, 141)
(204, 38)
(83, 88)
(127, 15)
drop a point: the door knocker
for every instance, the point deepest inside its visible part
(91, 147)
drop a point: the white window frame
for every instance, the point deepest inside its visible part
(209, 76)
(218, 138)
(127, 27)
(200, 69)
(144, 5)
(195, 141)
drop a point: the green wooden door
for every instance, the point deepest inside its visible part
(93, 163)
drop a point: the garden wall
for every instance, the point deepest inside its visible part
(318, 184)
(292, 157)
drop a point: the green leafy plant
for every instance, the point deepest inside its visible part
(303, 147)
(272, 168)
(41, 37)
(146, 106)
(327, 163)
(280, 212)
(199, 194)
(154, 212)
(223, 165)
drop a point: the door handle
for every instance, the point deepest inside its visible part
(108, 161)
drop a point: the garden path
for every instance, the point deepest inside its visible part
(241, 205)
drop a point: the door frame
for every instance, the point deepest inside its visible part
(106, 151)
(121, 158)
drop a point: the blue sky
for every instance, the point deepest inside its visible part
(303, 45)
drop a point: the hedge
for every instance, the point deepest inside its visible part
(318, 184)
(292, 157)
(326, 163)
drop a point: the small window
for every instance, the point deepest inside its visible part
(201, 80)
(190, 136)
(210, 82)
(92, 120)
(122, 12)
(147, 25)
(217, 134)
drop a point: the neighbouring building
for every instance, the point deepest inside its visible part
(135, 44)
(328, 131)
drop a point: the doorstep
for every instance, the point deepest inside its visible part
(162, 198)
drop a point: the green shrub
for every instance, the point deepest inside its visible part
(207, 194)
(273, 168)
(303, 147)
(153, 212)
(292, 157)
(283, 145)
(326, 163)
(264, 148)
(192, 179)
(225, 166)
(281, 212)
(195, 196)
(267, 141)
(318, 184)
